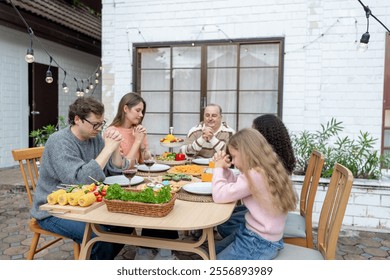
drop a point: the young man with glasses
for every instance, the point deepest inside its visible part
(73, 155)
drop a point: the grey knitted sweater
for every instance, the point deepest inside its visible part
(67, 160)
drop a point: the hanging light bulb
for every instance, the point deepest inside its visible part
(363, 46)
(30, 55)
(91, 86)
(96, 81)
(97, 74)
(87, 89)
(49, 77)
(30, 52)
(65, 88)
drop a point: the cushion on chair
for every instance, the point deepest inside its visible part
(293, 252)
(295, 226)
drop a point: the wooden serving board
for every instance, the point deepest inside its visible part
(59, 209)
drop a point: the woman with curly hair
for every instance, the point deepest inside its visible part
(265, 188)
(276, 133)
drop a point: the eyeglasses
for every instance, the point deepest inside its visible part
(96, 126)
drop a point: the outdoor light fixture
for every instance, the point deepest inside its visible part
(363, 46)
(49, 75)
(30, 52)
(64, 86)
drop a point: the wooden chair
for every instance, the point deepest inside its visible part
(299, 229)
(29, 157)
(331, 218)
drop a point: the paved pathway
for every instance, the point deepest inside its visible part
(15, 236)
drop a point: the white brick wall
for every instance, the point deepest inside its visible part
(328, 78)
(368, 205)
(14, 85)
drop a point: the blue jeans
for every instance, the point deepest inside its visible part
(236, 219)
(245, 244)
(75, 230)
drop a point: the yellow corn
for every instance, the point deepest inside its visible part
(53, 197)
(87, 199)
(63, 198)
(73, 199)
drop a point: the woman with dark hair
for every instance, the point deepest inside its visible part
(128, 119)
(276, 134)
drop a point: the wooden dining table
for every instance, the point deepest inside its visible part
(185, 216)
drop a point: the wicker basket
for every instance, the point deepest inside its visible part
(141, 208)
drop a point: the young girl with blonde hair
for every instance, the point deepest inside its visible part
(265, 189)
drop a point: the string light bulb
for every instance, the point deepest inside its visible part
(30, 55)
(49, 75)
(30, 52)
(64, 86)
(363, 46)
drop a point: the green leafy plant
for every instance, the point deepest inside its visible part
(357, 155)
(41, 135)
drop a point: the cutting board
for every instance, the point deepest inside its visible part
(62, 209)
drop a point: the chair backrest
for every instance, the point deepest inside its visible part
(28, 157)
(310, 185)
(333, 210)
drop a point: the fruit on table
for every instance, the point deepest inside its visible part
(180, 156)
(170, 138)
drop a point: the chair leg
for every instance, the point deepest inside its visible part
(76, 250)
(33, 246)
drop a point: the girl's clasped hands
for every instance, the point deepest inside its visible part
(222, 159)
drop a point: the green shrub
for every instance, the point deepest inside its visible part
(41, 135)
(357, 155)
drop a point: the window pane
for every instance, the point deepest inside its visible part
(230, 119)
(155, 58)
(387, 118)
(246, 120)
(386, 140)
(260, 79)
(186, 101)
(160, 126)
(156, 101)
(155, 80)
(186, 79)
(222, 56)
(186, 57)
(218, 79)
(182, 123)
(226, 99)
(259, 55)
(259, 102)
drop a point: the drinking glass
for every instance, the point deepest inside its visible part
(149, 159)
(129, 168)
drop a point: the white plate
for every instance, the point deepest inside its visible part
(198, 188)
(202, 161)
(122, 180)
(155, 167)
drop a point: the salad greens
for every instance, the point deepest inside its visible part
(115, 191)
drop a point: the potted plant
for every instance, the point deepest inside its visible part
(41, 135)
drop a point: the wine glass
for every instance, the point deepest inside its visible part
(129, 168)
(149, 159)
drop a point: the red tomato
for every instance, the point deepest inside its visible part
(96, 193)
(180, 156)
(99, 198)
(104, 192)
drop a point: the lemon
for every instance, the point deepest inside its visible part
(170, 137)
